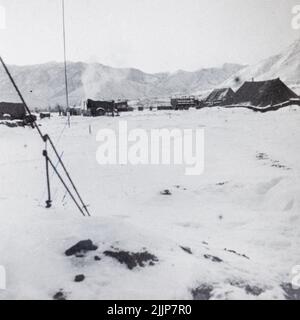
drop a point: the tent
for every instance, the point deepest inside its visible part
(264, 93)
(220, 97)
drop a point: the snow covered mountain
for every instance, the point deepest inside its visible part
(43, 84)
(285, 65)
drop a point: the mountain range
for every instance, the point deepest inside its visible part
(43, 85)
(285, 65)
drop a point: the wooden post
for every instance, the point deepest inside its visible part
(48, 201)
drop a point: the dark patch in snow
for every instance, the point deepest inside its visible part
(262, 156)
(222, 183)
(186, 249)
(97, 258)
(81, 247)
(79, 278)
(166, 192)
(204, 242)
(203, 292)
(60, 295)
(254, 290)
(212, 258)
(277, 164)
(274, 163)
(177, 186)
(236, 253)
(133, 259)
(290, 293)
(250, 289)
(13, 123)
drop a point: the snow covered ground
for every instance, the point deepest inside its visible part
(247, 202)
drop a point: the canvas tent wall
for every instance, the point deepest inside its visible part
(220, 96)
(15, 110)
(263, 93)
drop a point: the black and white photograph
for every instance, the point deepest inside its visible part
(149, 151)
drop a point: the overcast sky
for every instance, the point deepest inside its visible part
(152, 35)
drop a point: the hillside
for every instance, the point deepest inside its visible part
(285, 65)
(43, 84)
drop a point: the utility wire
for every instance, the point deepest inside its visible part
(46, 138)
(65, 59)
(68, 175)
(20, 96)
(66, 187)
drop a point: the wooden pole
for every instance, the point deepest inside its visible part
(65, 63)
(49, 201)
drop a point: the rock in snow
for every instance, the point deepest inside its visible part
(187, 249)
(212, 258)
(79, 278)
(81, 247)
(60, 295)
(132, 259)
(203, 292)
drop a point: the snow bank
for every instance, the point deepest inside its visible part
(234, 230)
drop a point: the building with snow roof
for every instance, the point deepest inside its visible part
(220, 96)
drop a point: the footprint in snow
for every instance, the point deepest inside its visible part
(264, 188)
(166, 192)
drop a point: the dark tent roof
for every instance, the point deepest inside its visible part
(15, 110)
(222, 94)
(264, 93)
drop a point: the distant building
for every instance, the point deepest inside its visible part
(219, 97)
(264, 93)
(122, 106)
(164, 107)
(183, 103)
(15, 110)
(44, 115)
(100, 108)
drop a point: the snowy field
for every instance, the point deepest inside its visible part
(231, 233)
